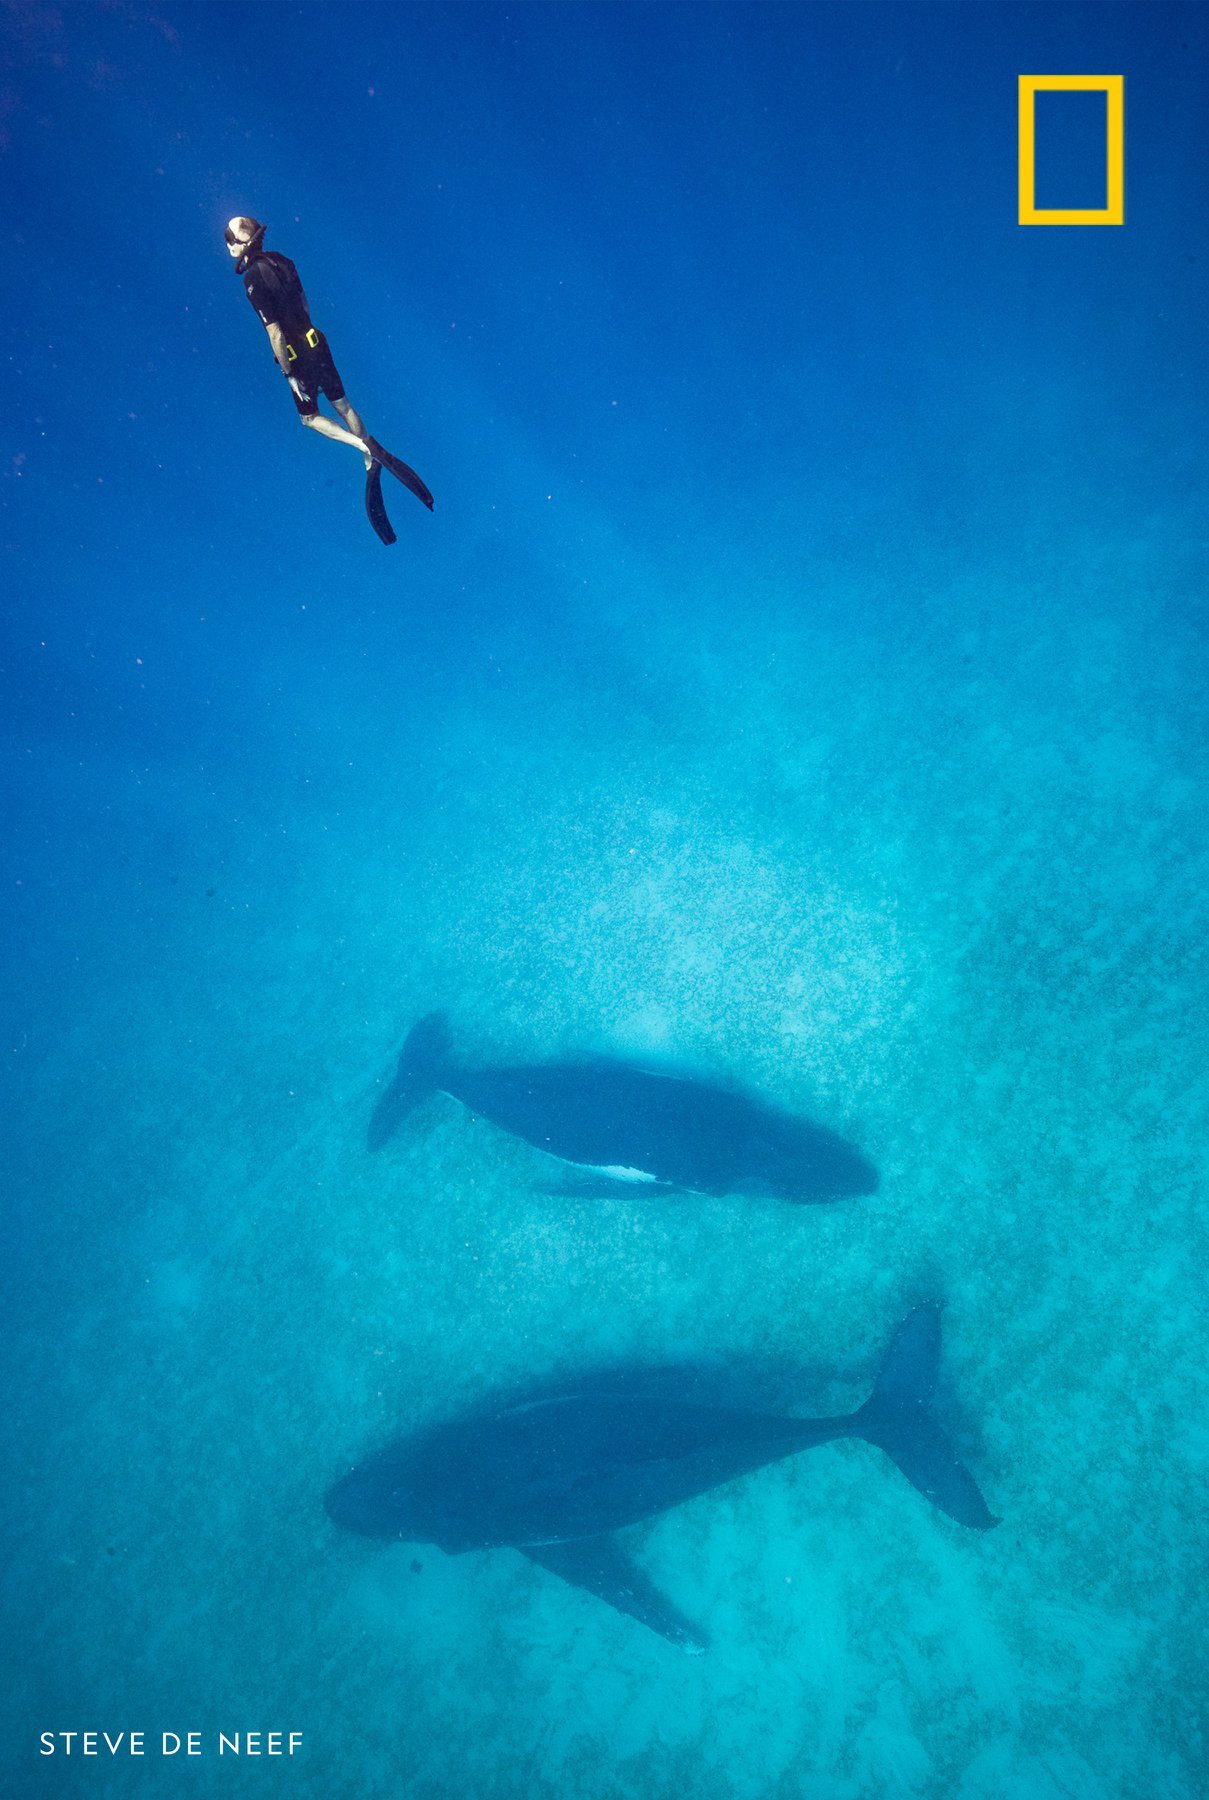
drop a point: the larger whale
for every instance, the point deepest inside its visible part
(624, 1124)
(555, 1473)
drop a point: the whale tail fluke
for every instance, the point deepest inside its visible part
(899, 1419)
(423, 1058)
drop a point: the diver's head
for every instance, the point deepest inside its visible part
(243, 235)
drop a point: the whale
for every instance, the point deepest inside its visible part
(556, 1472)
(619, 1126)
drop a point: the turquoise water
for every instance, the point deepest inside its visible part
(827, 714)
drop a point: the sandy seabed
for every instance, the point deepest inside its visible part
(917, 849)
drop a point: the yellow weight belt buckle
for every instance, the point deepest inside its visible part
(312, 338)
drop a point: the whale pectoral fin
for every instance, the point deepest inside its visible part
(601, 1567)
(604, 1187)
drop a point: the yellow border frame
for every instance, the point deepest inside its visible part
(1113, 86)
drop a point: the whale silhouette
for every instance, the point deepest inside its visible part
(626, 1125)
(555, 1473)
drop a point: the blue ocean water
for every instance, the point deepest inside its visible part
(801, 678)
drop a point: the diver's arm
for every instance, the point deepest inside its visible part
(277, 339)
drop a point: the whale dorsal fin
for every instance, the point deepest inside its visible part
(602, 1567)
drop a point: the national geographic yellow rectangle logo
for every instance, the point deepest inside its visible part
(1113, 86)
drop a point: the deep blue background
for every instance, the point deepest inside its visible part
(658, 263)
(1071, 143)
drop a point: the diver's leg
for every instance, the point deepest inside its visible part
(328, 428)
(351, 417)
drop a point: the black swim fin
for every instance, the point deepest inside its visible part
(375, 506)
(401, 472)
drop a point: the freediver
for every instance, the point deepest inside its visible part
(303, 356)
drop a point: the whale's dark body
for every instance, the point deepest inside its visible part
(629, 1125)
(554, 1474)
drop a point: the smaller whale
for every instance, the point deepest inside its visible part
(626, 1125)
(556, 1472)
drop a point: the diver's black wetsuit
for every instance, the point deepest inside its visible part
(272, 285)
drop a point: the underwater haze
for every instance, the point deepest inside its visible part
(801, 681)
